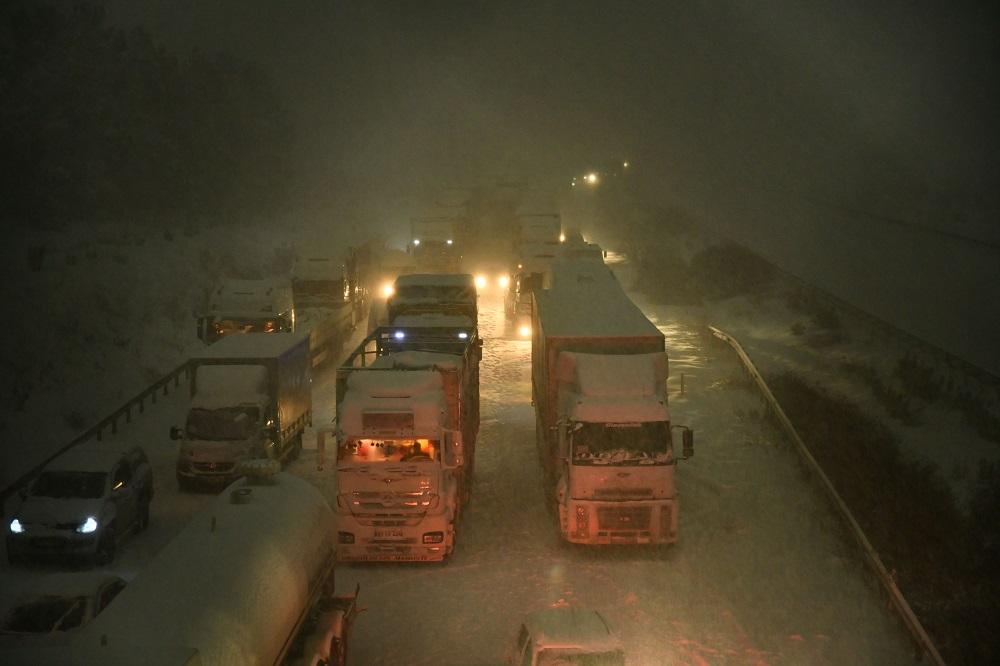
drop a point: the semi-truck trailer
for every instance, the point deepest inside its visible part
(603, 428)
(250, 398)
(249, 580)
(406, 428)
(322, 295)
(247, 306)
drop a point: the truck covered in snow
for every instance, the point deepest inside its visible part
(536, 228)
(249, 580)
(250, 398)
(406, 428)
(247, 306)
(598, 375)
(322, 295)
(433, 243)
(423, 299)
(528, 275)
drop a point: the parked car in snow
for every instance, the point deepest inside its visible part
(567, 636)
(82, 504)
(57, 605)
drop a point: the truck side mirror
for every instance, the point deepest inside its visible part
(176, 433)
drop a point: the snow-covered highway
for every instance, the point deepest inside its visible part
(761, 572)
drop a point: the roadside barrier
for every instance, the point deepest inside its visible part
(922, 641)
(109, 424)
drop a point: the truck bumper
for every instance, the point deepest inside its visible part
(624, 522)
(369, 539)
(215, 473)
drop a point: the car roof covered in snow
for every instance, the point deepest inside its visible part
(90, 457)
(436, 280)
(571, 628)
(252, 345)
(585, 300)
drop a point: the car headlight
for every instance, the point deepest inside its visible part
(88, 526)
(16, 527)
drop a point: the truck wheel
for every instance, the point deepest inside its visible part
(106, 547)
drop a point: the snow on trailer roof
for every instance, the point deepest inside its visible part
(585, 300)
(318, 268)
(572, 628)
(373, 390)
(419, 360)
(252, 345)
(232, 584)
(218, 386)
(436, 280)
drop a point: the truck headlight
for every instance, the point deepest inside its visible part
(504, 281)
(524, 331)
(582, 521)
(433, 537)
(88, 526)
(480, 281)
(16, 527)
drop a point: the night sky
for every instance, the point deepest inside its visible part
(825, 99)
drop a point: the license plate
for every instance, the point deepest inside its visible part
(381, 534)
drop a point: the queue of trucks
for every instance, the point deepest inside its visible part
(405, 433)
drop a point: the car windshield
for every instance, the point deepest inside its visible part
(85, 485)
(224, 424)
(47, 614)
(622, 443)
(388, 450)
(560, 657)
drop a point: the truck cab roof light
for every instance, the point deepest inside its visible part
(399, 335)
(463, 335)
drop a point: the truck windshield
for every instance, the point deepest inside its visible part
(388, 450)
(568, 657)
(226, 423)
(622, 443)
(84, 485)
(267, 325)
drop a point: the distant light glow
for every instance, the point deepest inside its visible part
(591, 178)
(416, 241)
(624, 165)
(480, 281)
(388, 290)
(504, 281)
(448, 241)
(562, 239)
(399, 335)
(463, 335)
(524, 331)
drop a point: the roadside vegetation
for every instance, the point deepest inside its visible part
(946, 563)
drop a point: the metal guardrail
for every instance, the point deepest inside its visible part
(108, 424)
(923, 641)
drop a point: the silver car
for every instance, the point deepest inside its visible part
(82, 504)
(57, 605)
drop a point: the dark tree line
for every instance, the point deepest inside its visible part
(97, 122)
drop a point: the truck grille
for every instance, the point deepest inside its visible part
(623, 518)
(623, 493)
(213, 467)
